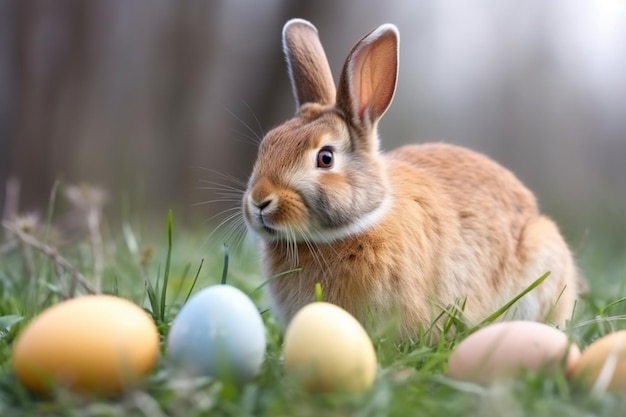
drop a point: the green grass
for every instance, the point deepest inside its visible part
(159, 273)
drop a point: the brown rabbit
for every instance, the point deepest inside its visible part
(410, 231)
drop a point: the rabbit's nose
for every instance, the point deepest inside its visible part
(263, 204)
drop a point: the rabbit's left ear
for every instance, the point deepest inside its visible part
(311, 77)
(369, 76)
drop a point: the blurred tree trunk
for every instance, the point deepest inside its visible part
(133, 96)
(8, 94)
(51, 61)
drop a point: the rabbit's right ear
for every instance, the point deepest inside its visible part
(369, 76)
(311, 77)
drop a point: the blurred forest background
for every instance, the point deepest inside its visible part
(141, 97)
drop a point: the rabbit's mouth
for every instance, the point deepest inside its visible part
(277, 233)
(263, 223)
(268, 230)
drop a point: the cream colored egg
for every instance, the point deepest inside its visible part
(602, 365)
(327, 349)
(97, 344)
(506, 349)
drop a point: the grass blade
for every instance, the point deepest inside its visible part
(508, 305)
(319, 295)
(168, 262)
(181, 282)
(195, 280)
(152, 297)
(225, 270)
(50, 211)
(267, 281)
(6, 322)
(604, 310)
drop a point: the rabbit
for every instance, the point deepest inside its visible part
(409, 232)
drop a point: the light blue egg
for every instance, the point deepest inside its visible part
(218, 333)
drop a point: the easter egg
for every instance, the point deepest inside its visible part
(602, 365)
(218, 333)
(97, 344)
(506, 349)
(327, 349)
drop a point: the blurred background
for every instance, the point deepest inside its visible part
(148, 98)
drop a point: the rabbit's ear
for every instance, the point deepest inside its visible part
(368, 79)
(311, 78)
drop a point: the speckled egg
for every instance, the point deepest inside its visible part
(506, 349)
(602, 365)
(97, 344)
(328, 350)
(219, 333)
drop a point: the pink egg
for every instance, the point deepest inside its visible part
(506, 349)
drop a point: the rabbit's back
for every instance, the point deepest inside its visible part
(476, 185)
(492, 241)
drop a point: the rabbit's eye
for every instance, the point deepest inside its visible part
(325, 158)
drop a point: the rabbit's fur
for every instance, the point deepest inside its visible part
(410, 231)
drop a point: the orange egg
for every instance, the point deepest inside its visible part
(602, 365)
(97, 344)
